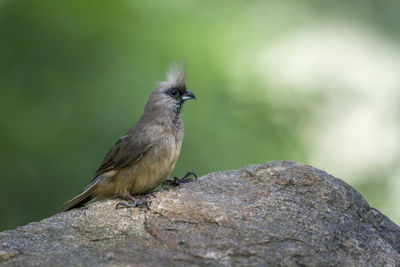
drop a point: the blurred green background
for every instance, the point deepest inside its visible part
(316, 82)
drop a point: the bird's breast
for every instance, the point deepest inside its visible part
(155, 166)
(167, 154)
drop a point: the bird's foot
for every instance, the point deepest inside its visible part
(139, 202)
(133, 203)
(177, 181)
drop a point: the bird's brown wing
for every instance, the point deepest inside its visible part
(125, 151)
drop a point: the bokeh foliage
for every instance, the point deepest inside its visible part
(74, 75)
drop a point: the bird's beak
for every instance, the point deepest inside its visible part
(188, 95)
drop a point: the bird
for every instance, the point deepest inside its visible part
(146, 154)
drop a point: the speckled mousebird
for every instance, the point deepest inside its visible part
(146, 155)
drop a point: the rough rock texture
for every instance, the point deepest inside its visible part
(278, 213)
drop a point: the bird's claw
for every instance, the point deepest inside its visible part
(133, 204)
(177, 181)
(190, 173)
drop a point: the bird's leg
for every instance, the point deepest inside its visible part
(177, 181)
(134, 202)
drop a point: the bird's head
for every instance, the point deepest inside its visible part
(172, 93)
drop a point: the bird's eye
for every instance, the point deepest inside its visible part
(173, 92)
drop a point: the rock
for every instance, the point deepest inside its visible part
(278, 213)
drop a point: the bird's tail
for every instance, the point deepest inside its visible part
(80, 199)
(77, 202)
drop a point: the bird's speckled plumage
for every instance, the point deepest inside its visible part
(144, 157)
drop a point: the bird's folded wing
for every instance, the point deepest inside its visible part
(126, 151)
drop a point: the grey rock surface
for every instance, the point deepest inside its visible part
(277, 214)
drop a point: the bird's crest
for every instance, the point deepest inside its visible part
(176, 76)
